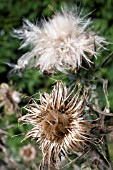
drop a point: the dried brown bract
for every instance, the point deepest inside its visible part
(59, 123)
(28, 152)
(9, 99)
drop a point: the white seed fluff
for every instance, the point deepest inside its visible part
(60, 44)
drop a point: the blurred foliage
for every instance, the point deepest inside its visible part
(12, 13)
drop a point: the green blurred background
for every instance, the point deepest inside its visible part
(12, 12)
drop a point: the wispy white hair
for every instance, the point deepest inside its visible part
(60, 44)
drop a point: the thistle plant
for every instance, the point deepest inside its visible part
(66, 121)
(59, 124)
(61, 44)
(28, 153)
(9, 99)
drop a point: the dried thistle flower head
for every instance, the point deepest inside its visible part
(28, 152)
(60, 44)
(9, 99)
(58, 123)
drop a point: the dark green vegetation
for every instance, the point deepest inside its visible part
(12, 13)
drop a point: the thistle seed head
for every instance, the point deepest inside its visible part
(60, 44)
(9, 99)
(59, 123)
(28, 153)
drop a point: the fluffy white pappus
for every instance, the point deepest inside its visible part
(60, 44)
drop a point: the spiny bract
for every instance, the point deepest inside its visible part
(59, 123)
